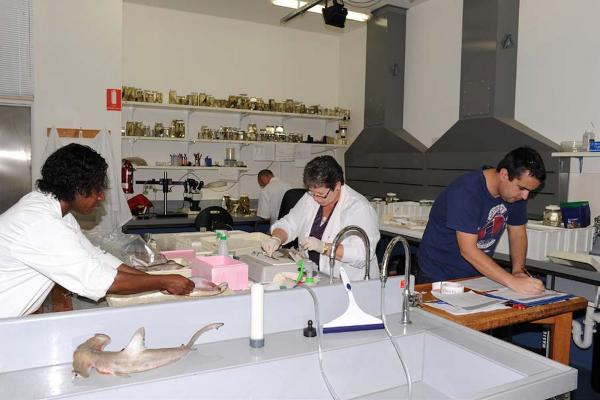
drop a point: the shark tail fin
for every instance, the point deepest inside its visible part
(205, 328)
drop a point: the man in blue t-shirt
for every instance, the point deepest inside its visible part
(469, 216)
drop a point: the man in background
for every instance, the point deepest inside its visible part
(269, 200)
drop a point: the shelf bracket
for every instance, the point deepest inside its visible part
(187, 121)
(580, 164)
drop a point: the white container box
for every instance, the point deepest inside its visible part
(544, 239)
(403, 209)
(205, 243)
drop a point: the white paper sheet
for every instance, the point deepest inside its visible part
(284, 152)
(459, 311)
(468, 301)
(263, 152)
(482, 284)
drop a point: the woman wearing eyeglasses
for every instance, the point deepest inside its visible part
(321, 213)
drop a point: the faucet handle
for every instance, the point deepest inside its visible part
(415, 299)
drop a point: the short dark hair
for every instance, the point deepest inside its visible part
(73, 169)
(523, 159)
(323, 171)
(265, 173)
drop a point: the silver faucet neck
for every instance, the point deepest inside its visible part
(346, 231)
(384, 274)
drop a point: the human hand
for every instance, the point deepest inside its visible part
(177, 284)
(526, 285)
(311, 243)
(205, 284)
(271, 245)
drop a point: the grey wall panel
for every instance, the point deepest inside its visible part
(488, 71)
(465, 161)
(362, 173)
(397, 175)
(442, 177)
(384, 85)
(366, 188)
(402, 160)
(551, 185)
(15, 154)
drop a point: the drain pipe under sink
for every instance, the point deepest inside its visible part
(592, 316)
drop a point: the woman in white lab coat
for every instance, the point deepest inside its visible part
(327, 207)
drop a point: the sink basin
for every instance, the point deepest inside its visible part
(445, 360)
(365, 367)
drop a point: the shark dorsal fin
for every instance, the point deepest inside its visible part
(137, 343)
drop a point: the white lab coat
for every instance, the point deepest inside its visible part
(352, 209)
(38, 247)
(269, 200)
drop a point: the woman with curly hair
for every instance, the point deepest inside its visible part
(41, 242)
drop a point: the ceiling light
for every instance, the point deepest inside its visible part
(355, 16)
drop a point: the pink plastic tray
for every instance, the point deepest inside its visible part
(188, 255)
(221, 269)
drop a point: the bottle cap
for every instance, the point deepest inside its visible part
(310, 330)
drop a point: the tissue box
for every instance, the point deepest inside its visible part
(219, 269)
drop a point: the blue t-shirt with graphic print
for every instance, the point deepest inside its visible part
(466, 206)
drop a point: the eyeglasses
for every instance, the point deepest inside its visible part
(319, 196)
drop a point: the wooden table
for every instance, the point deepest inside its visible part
(557, 315)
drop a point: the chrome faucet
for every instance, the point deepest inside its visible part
(408, 299)
(355, 230)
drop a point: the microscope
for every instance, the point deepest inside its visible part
(192, 194)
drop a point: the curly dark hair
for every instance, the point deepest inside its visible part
(523, 159)
(323, 171)
(73, 169)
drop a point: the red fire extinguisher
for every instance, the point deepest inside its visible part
(127, 176)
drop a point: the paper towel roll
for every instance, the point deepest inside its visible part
(448, 287)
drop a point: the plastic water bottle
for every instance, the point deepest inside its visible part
(222, 249)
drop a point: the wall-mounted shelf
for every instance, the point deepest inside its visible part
(580, 155)
(341, 146)
(160, 106)
(577, 154)
(246, 142)
(154, 139)
(173, 167)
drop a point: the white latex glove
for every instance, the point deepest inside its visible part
(311, 243)
(271, 245)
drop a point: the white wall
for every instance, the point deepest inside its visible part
(195, 52)
(557, 80)
(432, 72)
(170, 49)
(77, 56)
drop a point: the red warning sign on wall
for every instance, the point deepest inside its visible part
(113, 99)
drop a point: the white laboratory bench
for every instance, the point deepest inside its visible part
(445, 360)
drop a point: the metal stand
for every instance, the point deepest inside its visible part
(166, 184)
